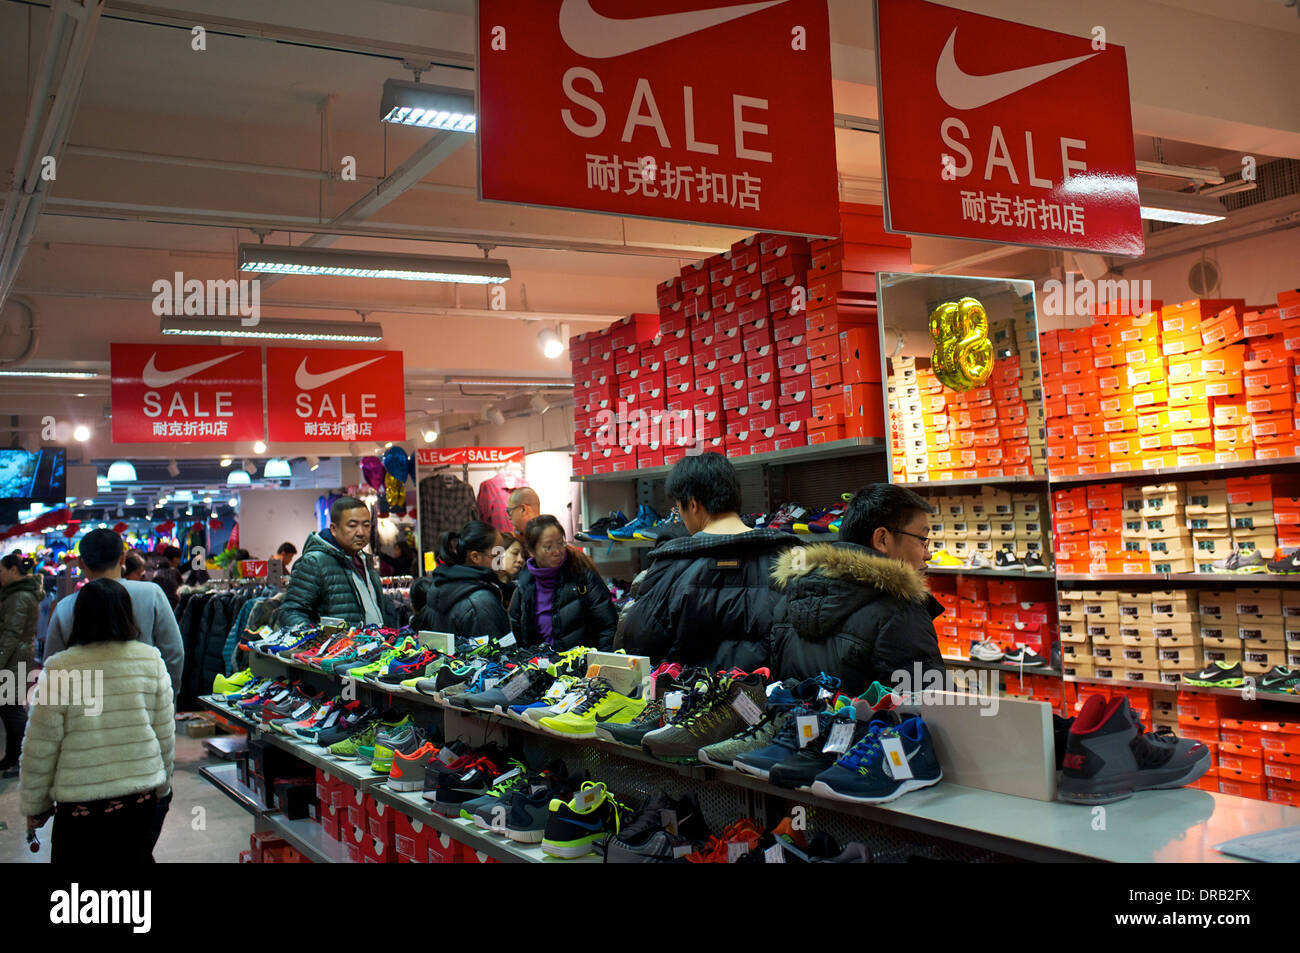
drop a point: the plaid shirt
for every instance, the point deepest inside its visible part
(446, 505)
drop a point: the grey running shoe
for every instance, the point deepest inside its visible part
(714, 719)
(779, 702)
(1251, 562)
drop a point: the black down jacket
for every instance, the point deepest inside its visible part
(851, 612)
(707, 600)
(321, 585)
(582, 611)
(463, 600)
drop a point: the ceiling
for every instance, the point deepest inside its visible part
(161, 176)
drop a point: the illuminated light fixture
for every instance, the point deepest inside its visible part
(121, 471)
(430, 433)
(81, 433)
(342, 263)
(207, 500)
(226, 461)
(101, 483)
(1183, 208)
(238, 478)
(259, 447)
(130, 501)
(173, 469)
(277, 469)
(550, 343)
(428, 106)
(87, 502)
(274, 328)
(313, 463)
(51, 372)
(183, 496)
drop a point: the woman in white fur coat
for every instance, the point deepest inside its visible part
(101, 736)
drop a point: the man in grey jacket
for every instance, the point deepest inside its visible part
(102, 554)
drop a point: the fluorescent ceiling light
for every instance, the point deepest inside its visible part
(342, 263)
(38, 372)
(427, 106)
(121, 471)
(278, 329)
(183, 496)
(81, 433)
(1184, 208)
(259, 447)
(277, 469)
(238, 478)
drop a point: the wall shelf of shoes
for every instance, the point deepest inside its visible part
(1172, 483)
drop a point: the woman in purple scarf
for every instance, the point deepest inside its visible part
(560, 599)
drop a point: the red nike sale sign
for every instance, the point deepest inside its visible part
(313, 394)
(694, 110)
(1002, 132)
(182, 393)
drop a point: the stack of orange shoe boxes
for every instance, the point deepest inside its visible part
(1198, 373)
(1269, 378)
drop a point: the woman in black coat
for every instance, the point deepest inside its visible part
(464, 596)
(560, 599)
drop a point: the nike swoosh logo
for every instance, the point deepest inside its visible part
(586, 825)
(309, 381)
(961, 90)
(154, 378)
(598, 37)
(610, 715)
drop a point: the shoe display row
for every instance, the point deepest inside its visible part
(1022, 655)
(1005, 558)
(1279, 680)
(1287, 564)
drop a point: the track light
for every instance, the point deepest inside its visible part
(277, 469)
(341, 263)
(550, 343)
(250, 467)
(427, 106)
(121, 471)
(539, 404)
(130, 501)
(173, 469)
(278, 329)
(259, 447)
(491, 415)
(225, 461)
(431, 431)
(313, 463)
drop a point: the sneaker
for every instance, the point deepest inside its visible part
(600, 704)
(489, 811)
(532, 685)
(1228, 564)
(463, 780)
(801, 769)
(388, 743)
(718, 850)
(226, 685)
(866, 774)
(722, 753)
(662, 831)
(1251, 562)
(670, 527)
(1280, 679)
(785, 518)
(714, 719)
(528, 811)
(408, 767)
(573, 827)
(987, 651)
(1023, 655)
(352, 720)
(1286, 565)
(646, 517)
(652, 717)
(1034, 563)
(1108, 756)
(1007, 559)
(600, 529)
(945, 560)
(978, 561)
(759, 762)
(1217, 675)
(830, 517)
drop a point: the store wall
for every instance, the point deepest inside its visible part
(268, 518)
(1255, 269)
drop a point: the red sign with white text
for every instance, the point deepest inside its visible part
(318, 394)
(712, 112)
(186, 393)
(252, 569)
(1002, 132)
(455, 456)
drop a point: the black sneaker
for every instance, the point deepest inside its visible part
(1034, 563)
(1217, 675)
(469, 777)
(1108, 756)
(1287, 565)
(573, 828)
(1280, 679)
(646, 840)
(800, 770)
(347, 725)
(1061, 736)
(1023, 655)
(496, 700)
(1056, 656)
(599, 530)
(1006, 559)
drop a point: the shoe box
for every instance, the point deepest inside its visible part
(987, 522)
(411, 840)
(468, 855)
(265, 766)
(266, 847)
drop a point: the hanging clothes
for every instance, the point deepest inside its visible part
(493, 497)
(446, 504)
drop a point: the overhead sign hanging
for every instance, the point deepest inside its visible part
(715, 113)
(1001, 132)
(186, 393)
(457, 456)
(315, 394)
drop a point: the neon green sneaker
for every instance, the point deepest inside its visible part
(223, 685)
(379, 664)
(573, 827)
(349, 746)
(600, 705)
(379, 747)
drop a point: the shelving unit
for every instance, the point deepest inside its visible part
(1112, 580)
(1017, 670)
(995, 573)
(1201, 471)
(1033, 480)
(813, 452)
(308, 838)
(1197, 689)
(225, 777)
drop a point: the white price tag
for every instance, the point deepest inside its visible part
(557, 691)
(747, 709)
(823, 694)
(515, 685)
(446, 755)
(673, 703)
(774, 855)
(736, 850)
(807, 729)
(333, 717)
(896, 762)
(669, 821)
(481, 640)
(508, 642)
(682, 850)
(840, 738)
(490, 683)
(302, 711)
(588, 798)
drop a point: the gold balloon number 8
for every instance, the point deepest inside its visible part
(963, 353)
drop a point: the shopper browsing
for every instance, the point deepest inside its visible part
(522, 506)
(169, 576)
(464, 596)
(285, 553)
(509, 565)
(859, 608)
(334, 577)
(561, 600)
(102, 557)
(99, 757)
(20, 606)
(133, 566)
(707, 598)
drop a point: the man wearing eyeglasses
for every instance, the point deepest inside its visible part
(859, 608)
(522, 505)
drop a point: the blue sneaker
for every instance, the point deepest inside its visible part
(645, 518)
(602, 527)
(862, 775)
(784, 744)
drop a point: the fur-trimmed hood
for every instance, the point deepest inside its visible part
(851, 562)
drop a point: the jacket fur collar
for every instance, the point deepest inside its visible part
(854, 563)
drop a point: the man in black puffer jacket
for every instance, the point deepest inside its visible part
(859, 608)
(333, 578)
(707, 598)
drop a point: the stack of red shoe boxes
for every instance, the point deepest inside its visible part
(618, 388)
(595, 392)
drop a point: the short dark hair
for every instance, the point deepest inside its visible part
(171, 552)
(289, 548)
(17, 560)
(102, 613)
(134, 561)
(420, 592)
(474, 537)
(102, 549)
(242, 554)
(342, 505)
(709, 479)
(880, 504)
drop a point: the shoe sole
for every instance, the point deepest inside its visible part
(1078, 793)
(1252, 570)
(981, 658)
(1224, 683)
(558, 733)
(525, 837)
(569, 851)
(823, 789)
(753, 772)
(405, 786)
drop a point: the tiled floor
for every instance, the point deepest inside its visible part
(203, 826)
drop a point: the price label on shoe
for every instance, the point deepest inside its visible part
(508, 642)
(774, 855)
(516, 685)
(840, 738)
(301, 711)
(896, 762)
(807, 729)
(673, 703)
(490, 683)
(745, 706)
(668, 820)
(588, 798)
(446, 755)
(737, 849)
(556, 691)
(505, 777)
